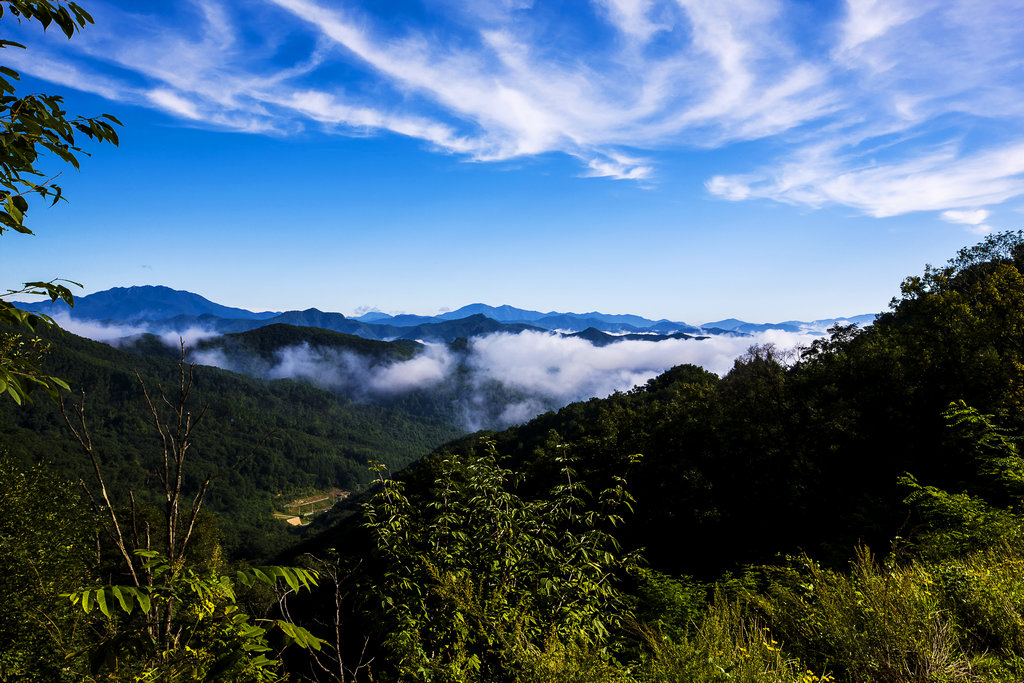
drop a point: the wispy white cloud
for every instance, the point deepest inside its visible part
(619, 167)
(973, 219)
(867, 20)
(933, 181)
(632, 17)
(67, 74)
(966, 216)
(931, 119)
(890, 107)
(174, 103)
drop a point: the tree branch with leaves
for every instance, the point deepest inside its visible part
(177, 618)
(36, 129)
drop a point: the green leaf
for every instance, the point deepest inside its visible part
(301, 636)
(124, 598)
(289, 629)
(16, 214)
(101, 600)
(143, 599)
(228, 589)
(290, 579)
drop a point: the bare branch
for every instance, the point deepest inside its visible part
(135, 526)
(85, 441)
(197, 504)
(165, 475)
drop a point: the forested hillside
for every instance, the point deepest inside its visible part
(300, 438)
(804, 452)
(265, 341)
(893, 448)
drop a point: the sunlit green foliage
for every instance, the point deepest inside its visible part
(204, 637)
(316, 439)
(480, 583)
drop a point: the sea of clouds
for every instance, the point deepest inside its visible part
(536, 371)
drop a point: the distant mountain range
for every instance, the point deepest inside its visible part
(145, 303)
(162, 309)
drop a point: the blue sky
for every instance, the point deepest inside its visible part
(686, 159)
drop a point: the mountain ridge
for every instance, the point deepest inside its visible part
(144, 302)
(171, 310)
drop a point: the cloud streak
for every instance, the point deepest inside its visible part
(892, 107)
(974, 220)
(119, 334)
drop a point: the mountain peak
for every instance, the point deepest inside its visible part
(145, 302)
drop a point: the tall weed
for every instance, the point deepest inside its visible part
(728, 645)
(883, 624)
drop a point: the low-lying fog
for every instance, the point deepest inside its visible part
(500, 379)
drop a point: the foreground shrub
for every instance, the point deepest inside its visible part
(729, 645)
(875, 623)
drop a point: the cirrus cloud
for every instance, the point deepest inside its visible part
(887, 107)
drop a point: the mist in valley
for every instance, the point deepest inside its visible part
(487, 382)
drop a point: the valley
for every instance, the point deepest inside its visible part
(461, 367)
